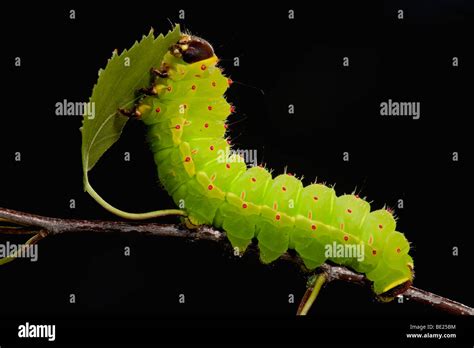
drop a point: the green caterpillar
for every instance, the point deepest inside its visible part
(186, 111)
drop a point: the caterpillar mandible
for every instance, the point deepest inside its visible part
(185, 112)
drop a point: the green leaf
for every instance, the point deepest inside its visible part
(116, 88)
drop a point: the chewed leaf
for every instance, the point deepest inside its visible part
(124, 74)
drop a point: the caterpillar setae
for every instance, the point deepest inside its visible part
(185, 112)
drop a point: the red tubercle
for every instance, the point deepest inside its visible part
(283, 188)
(232, 109)
(229, 81)
(187, 159)
(226, 125)
(244, 206)
(213, 84)
(203, 67)
(313, 227)
(209, 108)
(210, 187)
(380, 226)
(206, 125)
(157, 109)
(228, 141)
(227, 165)
(315, 198)
(277, 216)
(211, 147)
(349, 211)
(177, 126)
(398, 250)
(193, 87)
(374, 252)
(346, 238)
(169, 88)
(254, 179)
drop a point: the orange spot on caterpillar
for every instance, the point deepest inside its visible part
(194, 151)
(283, 188)
(380, 226)
(232, 108)
(227, 166)
(275, 205)
(193, 87)
(398, 250)
(242, 195)
(244, 206)
(209, 108)
(349, 211)
(157, 109)
(313, 227)
(187, 159)
(210, 187)
(211, 147)
(310, 215)
(277, 217)
(371, 240)
(213, 177)
(315, 198)
(206, 125)
(177, 126)
(203, 67)
(229, 81)
(346, 238)
(254, 179)
(213, 83)
(226, 126)
(374, 252)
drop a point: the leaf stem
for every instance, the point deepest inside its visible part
(313, 289)
(127, 215)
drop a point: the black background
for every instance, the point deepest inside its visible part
(135, 299)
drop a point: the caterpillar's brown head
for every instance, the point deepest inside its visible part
(192, 49)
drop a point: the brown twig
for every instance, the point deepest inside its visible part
(53, 226)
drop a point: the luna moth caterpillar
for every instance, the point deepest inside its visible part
(185, 112)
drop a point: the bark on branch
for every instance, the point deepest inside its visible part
(43, 226)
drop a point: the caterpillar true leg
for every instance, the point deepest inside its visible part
(159, 73)
(133, 113)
